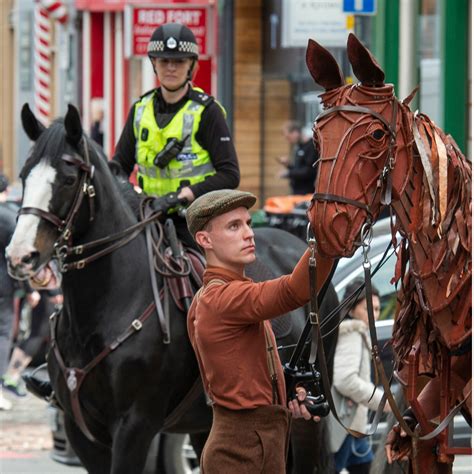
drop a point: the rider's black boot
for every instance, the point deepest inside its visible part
(38, 387)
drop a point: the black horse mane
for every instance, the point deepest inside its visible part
(126, 189)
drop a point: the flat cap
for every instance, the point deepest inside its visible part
(213, 204)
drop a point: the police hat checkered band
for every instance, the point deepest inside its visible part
(213, 204)
(188, 47)
(154, 46)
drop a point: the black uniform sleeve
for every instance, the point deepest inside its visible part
(125, 149)
(214, 136)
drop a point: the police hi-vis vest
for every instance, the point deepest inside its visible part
(192, 165)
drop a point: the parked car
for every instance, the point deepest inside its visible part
(174, 451)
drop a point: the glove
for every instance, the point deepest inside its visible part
(168, 201)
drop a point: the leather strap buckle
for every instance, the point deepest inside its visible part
(137, 324)
(314, 318)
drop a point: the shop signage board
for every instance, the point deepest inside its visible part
(141, 21)
(322, 20)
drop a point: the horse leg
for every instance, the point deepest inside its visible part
(95, 457)
(426, 460)
(132, 439)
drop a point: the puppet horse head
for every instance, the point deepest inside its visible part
(362, 147)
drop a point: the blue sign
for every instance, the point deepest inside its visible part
(360, 7)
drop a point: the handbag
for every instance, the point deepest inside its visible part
(346, 410)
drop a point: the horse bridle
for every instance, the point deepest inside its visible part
(85, 188)
(63, 245)
(385, 175)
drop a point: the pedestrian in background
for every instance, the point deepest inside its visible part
(97, 115)
(28, 348)
(8, 286)
(300, 169)
(353, 390)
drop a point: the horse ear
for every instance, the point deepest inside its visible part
(365, 66)
(323, 67)
(31, 125)
(73, 126)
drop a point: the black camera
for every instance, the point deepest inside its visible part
(315, 402)
(171, 150)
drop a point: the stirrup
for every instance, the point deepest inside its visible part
(41, 388)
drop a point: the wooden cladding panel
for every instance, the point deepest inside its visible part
(247, 91)
(277, 112)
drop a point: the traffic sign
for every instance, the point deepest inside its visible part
(360, 7)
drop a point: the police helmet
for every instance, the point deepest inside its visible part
(173, 40)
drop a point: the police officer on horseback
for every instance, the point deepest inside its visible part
(176, 133)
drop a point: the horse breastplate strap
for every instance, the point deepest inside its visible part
(74, 376)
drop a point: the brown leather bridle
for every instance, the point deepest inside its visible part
(64, 250)
(84, 188)
(385, 178)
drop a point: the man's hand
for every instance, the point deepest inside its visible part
(397, 445)
(299, 410)
(33, 298)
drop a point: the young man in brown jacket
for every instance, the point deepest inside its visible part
(229, 328)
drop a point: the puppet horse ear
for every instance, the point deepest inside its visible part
(365, 66)
(31, 125)
(323, 67)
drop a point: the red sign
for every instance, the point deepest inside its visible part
(118, 5)
(144, 20)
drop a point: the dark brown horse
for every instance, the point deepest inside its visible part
(374, 153)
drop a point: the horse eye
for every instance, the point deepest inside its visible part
(378, 134)
(70, 180)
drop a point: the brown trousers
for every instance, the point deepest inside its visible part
(247, 441)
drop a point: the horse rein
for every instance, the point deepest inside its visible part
(385, 176)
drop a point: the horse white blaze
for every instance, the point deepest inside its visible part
(37, 193)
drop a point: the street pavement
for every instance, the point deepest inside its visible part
(26, 441)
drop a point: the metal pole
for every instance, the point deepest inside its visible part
(408, 68)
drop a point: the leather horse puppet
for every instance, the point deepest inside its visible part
(375, 152)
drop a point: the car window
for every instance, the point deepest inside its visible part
(381, 281)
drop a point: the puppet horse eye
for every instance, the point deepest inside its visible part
(378, 134)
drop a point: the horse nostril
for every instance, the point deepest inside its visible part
(31, 259)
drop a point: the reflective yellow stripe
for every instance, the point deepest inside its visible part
(192, 171)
